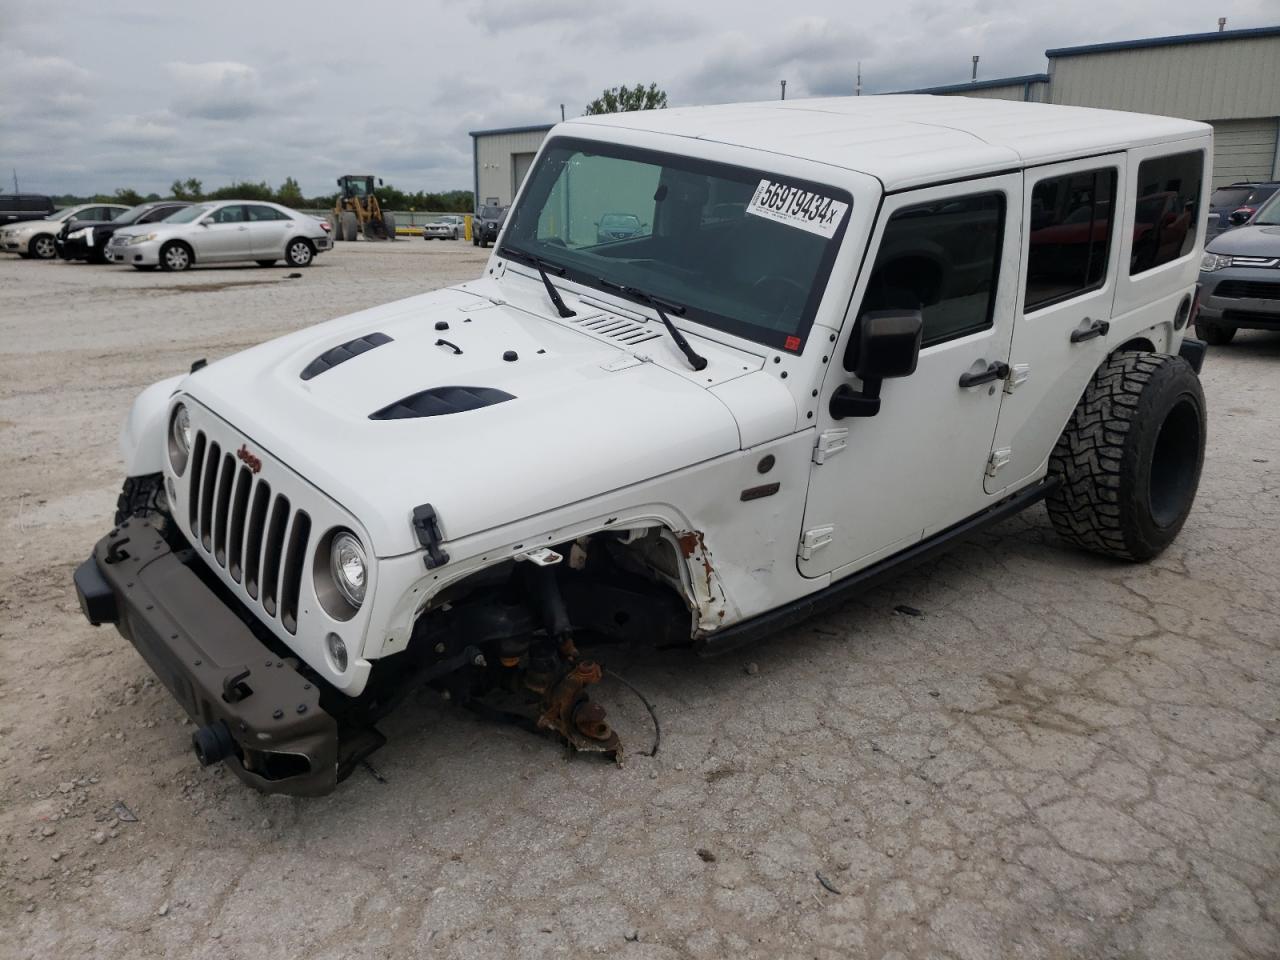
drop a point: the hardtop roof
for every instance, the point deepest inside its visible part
(908, 140)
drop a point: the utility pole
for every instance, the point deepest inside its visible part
(975, 68)
(1222, 24)
(15, 180)
(562, 112)
(857, 89)
(784, 89)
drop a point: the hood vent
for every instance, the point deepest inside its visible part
(343, 352)
(441, 401)
(615, 327)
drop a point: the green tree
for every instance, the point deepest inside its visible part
(189, 189)
(243, 190)
(624, 98)
(128, 197)
(290, 194)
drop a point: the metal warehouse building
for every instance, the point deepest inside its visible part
(1230, 79)
(501, 158)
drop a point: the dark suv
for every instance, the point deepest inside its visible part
(1233, 205)
(24, 206)
(87, 240)
(486, 224)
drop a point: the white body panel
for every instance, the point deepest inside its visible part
(605, 433)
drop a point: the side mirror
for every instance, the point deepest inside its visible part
(1240, 217)
(886, 345)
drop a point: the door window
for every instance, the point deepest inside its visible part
(943, 259)
(1070, 236)
(259, 213)
(1166, 209)
(230, 214)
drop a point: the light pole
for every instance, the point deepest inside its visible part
(784, 89)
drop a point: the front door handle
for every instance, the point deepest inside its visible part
(1098, 328)
(994, 371)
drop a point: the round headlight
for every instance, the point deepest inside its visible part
(179, 438)
(348, 567)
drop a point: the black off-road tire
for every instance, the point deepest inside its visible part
(142, 497)
(1216, 335)
(1128, 462)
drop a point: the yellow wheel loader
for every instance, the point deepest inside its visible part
(357, 212)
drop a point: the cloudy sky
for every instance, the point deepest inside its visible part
(99, 95)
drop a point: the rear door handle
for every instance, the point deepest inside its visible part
(1098, 328)
(994, 371)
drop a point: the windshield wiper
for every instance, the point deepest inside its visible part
(696, 360)
(542, 266)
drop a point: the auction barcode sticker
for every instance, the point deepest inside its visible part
(797, 207)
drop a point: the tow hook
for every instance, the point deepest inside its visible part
(212, 743)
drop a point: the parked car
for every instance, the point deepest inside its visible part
(225, 231)
(1233, 205)
(1240, 278)
(36, 238)
(449, 227)
(486, 225)
(15, 207)
(88, 239)
(617, 226)
(818, 370)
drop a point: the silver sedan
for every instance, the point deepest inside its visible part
(223, 231)
(444, 228)
(34, 238)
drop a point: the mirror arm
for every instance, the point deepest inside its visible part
(846, 403)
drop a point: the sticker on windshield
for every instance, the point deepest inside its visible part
(797, 207)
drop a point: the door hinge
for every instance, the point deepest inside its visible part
(814, 540)
(1018, 375)
(998, 460)
(830, 442)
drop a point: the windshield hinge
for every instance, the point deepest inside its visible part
(830, 442)
(815, 539)
(427, 527)
(1019, 373)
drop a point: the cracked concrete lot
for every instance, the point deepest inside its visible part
(1060, 756)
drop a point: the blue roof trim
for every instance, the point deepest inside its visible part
(983, 84)
(1213, 37)
(532, 128)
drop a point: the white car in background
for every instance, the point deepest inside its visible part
(223, 231)
(34, 238)
(450, 227)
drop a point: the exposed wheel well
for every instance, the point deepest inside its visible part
(1136, 345)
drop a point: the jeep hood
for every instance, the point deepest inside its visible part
(584, 416)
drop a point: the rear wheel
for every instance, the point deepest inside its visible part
(350, 225)
(1216, 335)
(335, 226)
(175, 256)
(42, 247)
(389, 222)
(299, 253)
(1128, 463)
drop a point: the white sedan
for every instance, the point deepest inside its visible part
(444, 228)
(224, 231)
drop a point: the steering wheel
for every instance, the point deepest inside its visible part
(779, 293)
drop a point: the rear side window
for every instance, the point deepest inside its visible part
(1166, 209)
(1070, 236)
(259, 213)
(942, 258)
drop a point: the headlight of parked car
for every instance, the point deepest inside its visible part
(1213, 261)
(142, 238)
(348, 567)
(179, 438)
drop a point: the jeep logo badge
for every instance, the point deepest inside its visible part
(252, 462)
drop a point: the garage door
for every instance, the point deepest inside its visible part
(1243, 150)
(520, 164)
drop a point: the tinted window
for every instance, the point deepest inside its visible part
(258, 213)
(942, 258)
(1166, 210)
(231, 214)
(159, 213)
(1070, 236)
(490, 213)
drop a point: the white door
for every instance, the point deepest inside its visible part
(223, 235)
(1069, 267)
(918, 465)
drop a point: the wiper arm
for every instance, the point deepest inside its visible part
(541, 266)
(696, 360)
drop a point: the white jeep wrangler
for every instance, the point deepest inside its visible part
(835, 336)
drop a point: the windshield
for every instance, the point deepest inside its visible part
(1230, 196)
(490, 213)
(743, 251)
(1269, 214)
(132, 213)
(188, 214)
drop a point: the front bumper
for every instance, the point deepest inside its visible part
(135, 253)
(227, 680)
(1245, 297)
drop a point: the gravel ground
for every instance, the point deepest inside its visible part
(1058, 757)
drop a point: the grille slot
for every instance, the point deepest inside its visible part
(222, 506)
(291, 582)
(208, 484)
(253, 537)
(235, 533)
(271, 551)
(197, 468)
